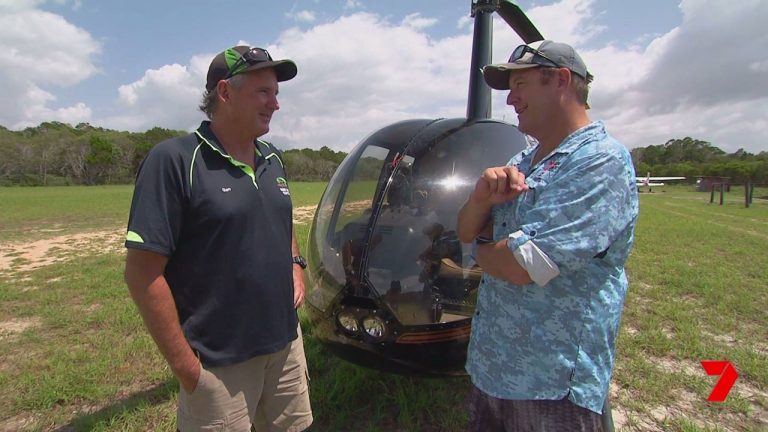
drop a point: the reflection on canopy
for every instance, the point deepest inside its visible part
(384, 258)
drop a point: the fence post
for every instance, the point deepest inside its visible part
(746, 194)
(712, 193)
(722, 192)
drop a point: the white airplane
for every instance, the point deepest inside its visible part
(650, 182)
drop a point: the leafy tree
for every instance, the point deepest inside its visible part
(98, 160)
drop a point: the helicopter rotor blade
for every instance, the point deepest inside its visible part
(516, 18)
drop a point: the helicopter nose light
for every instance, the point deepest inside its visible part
(374, 326)
(348, 322)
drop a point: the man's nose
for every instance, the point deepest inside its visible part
(511, 97)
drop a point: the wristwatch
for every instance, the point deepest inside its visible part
(479, 240)
(298, 259)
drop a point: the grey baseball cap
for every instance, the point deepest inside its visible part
(538, 54)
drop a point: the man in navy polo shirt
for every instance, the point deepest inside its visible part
(213, 264)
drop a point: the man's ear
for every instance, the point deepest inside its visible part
(223, 89)
(564, 77)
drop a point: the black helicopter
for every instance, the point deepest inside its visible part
(389, 285)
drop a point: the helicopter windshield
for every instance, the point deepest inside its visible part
(385, 229)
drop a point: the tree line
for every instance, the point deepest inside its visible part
(56, 153)
(692, 158)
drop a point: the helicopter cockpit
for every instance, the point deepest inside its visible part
(385, 262)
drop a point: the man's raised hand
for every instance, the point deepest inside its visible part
(498, 185)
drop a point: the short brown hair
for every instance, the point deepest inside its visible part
(210, 97)
(579, 84)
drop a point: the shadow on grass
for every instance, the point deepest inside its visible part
(123, 408)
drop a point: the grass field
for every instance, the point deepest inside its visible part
(74, 354)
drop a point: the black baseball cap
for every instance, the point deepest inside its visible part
(236, 60)
(544, 54)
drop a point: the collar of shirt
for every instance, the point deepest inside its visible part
(572, 142)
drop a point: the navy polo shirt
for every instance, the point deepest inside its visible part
(226, 230)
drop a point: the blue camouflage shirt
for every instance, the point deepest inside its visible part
(533, 342)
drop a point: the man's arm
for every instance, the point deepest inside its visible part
(474, 218)
(498, 261)
(298, 272)
(152, 295)
(495, 186)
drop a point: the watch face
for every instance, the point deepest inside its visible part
(300, 261)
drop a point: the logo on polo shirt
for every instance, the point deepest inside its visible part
(547, 170)
(283, 186)
(226, 189)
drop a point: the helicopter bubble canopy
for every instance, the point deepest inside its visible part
(384, 257)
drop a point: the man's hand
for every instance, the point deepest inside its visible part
(498, 185)
(298, 286)
(144, 275)
(189, 376)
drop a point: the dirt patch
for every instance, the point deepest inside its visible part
(303, 215)
(22, 257)
(9, 330)
(732, 341)
(16, 423)
(19, 257)
(685, 401)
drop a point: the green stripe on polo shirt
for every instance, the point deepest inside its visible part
(273, 154)
(192, 164)
(133, 237)
(244, 167)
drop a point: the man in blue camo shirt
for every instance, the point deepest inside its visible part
(552, 231)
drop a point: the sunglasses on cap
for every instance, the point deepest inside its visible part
(250, 57)
(536, 56)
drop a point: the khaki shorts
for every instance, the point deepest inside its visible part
(270, 391)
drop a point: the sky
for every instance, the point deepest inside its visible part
(664, 69)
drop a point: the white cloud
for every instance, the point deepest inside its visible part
(416, 21)
(704, 79)
(387, 72)
(352, 4)
(570, 21)
(464, 22)
(18, 5)
(40, 51)
(759, 66)
(167, 96)
(303, 16)
(29, 107)
(647, 93)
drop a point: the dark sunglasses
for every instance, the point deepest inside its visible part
(538, 57)
(250, 57)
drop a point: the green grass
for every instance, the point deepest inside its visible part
(36, 212)
(698, 278)
(306, 193)
(30, 213)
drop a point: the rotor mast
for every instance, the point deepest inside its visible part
(479, 98)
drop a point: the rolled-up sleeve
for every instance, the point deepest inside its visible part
(540, 268)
